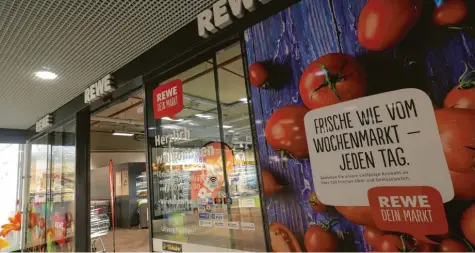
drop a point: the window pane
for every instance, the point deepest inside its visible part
(242, 178)
(188, 169)
(10, 167)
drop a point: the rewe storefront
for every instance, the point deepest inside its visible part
(304, 127)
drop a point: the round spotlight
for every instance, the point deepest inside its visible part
(46, 75)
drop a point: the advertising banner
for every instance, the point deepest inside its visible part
(365, 118)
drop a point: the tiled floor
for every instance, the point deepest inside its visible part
(129, 240)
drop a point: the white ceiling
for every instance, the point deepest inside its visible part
(81, 41)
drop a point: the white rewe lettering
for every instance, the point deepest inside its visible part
(218, 15)
(236, 7)
(44, 123)
(99, 89)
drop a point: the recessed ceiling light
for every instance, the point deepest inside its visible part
(46, 75)
(226, 126)
(204, 116)
(244, 100)
(170, 119)
(122, 134)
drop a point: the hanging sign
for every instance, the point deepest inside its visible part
(168, 99)
(218, 16)
(44, 123)
(99, 89)
(389, 139)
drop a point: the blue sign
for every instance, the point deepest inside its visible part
(438, 3)
(204, 215)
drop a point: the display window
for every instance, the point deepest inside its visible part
(51, 189)
(11, 162)
(365, 125)
(205, 184)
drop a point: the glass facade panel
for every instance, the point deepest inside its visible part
(11, 164)
(205, 192)
(50, 204)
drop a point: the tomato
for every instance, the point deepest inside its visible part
(464, 185)
(450, 12)
(331, 79)
(282, 239)
(318, 239)
(392, 243)
(258, 74)
(269, 183)
(372, 236)
(463, 95)
(456, 129)
(421, 246)
(451, 245)
(384, 23)
(315, 203)
(467, 224)
(460, 98)
(285, 130)
(360, 215)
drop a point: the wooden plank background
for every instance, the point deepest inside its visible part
(430, 58)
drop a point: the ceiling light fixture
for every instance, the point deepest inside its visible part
(204, 116)
(244, 100)
(170, 119)
(46, 75)
(226, 126)
(122, 134)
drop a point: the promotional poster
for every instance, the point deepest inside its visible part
(365, 118)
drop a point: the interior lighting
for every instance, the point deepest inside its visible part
(46, 75)
(244, 100)
(122, 134)
(204, 116)
(226, 126)
(170, 119)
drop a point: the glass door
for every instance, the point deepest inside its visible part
(205, 195)
(50, 199)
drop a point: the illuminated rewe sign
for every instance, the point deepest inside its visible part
(99, 89)
(218, 16)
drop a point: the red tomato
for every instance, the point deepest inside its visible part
(269, 183)
(456, 129)
(372, 236)
(282, 239)
(285, 130)
(451, 245)
(315, 203)
(450, 13)
(392, 243)
(460, 98)
(467, 224)
(360, 215)
(331, 79)
(421, 246)
(257, 74)
(464, 185)
(318, 239)
(384, 23)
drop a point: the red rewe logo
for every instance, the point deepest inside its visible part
(168, 99)
(416, 210)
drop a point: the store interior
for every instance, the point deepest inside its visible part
(180, 183)
(117, 136)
